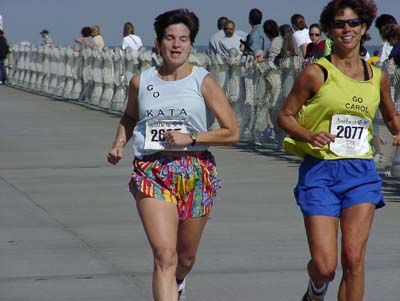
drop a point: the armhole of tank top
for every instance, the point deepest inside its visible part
(324, 71)
(366, 73)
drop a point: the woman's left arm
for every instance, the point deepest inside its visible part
(217, 102)
(388, 110)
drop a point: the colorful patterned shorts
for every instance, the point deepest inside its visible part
(188, 181)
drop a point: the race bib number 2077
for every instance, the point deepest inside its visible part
(351, 135)
(155, 130)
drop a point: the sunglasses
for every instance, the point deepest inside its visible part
(351, 22)
(315, 34)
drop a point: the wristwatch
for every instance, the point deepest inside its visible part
(193, 136)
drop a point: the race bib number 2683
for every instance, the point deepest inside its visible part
(155, 129)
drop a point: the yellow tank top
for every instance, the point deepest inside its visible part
(343, 95)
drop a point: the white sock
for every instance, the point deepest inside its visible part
(181, 286)
(318, 291)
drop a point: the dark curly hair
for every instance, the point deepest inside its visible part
(365, 9)
(176, 16)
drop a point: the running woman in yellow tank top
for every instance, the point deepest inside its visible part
(328, 116)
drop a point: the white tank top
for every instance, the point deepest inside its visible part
(160, 99)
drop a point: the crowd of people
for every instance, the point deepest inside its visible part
(295, 39)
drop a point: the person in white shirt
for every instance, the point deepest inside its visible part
(301, 34)
(213, 47)
(230, 41)
(380, 22)
(97, 37)
(131, 40)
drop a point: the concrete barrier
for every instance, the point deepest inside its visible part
(100, 78)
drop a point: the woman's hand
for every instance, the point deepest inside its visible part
(116, 153)
(176, 138)
(322, 138)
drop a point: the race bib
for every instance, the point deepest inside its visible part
(351, 135)
(155, 129)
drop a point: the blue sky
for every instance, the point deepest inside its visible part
(24, 19)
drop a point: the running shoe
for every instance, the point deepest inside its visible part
(182, 291)
(310, 295)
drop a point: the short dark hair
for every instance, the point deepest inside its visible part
(271, 28)
(255, 16)
(176, 16)
(315, 25)
(298, 21)
(86, 31)
(221, 21)
(383, 20)
(128, 29)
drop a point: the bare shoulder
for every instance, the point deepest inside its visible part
(311, 77)
(135, 80)
(210, 86)
(313, 72)
(209, 80)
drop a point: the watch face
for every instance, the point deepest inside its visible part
(193, 136)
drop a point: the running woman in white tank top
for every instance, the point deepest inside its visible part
(174, 179)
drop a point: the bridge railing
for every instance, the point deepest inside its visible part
(100, 78)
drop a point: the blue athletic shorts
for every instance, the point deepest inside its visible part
(326, 187)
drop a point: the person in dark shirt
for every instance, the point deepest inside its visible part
(4, 51)
(391, 33)
(316, 48)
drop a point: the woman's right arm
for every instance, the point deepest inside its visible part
(306, 85)
(127, 122)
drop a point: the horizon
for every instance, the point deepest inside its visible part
(24, 19)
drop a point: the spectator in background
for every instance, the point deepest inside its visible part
(230, 41)
(259, 55)
(256, 39)
(391, 33)
(97, 38)
(380, 22)
(213, 44)
(288, 46)
(271, 30)
(374, 60)
(131, 40)
(47, 41)
(316, 48)
(301, 34)
(85, 39)
(4, 51)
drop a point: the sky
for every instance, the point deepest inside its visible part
(24, 19)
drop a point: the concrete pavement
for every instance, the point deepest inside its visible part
(69, 229)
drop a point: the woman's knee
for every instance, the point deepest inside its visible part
(186, 260)
(165, 258)
(352, 260)
(325, 269)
